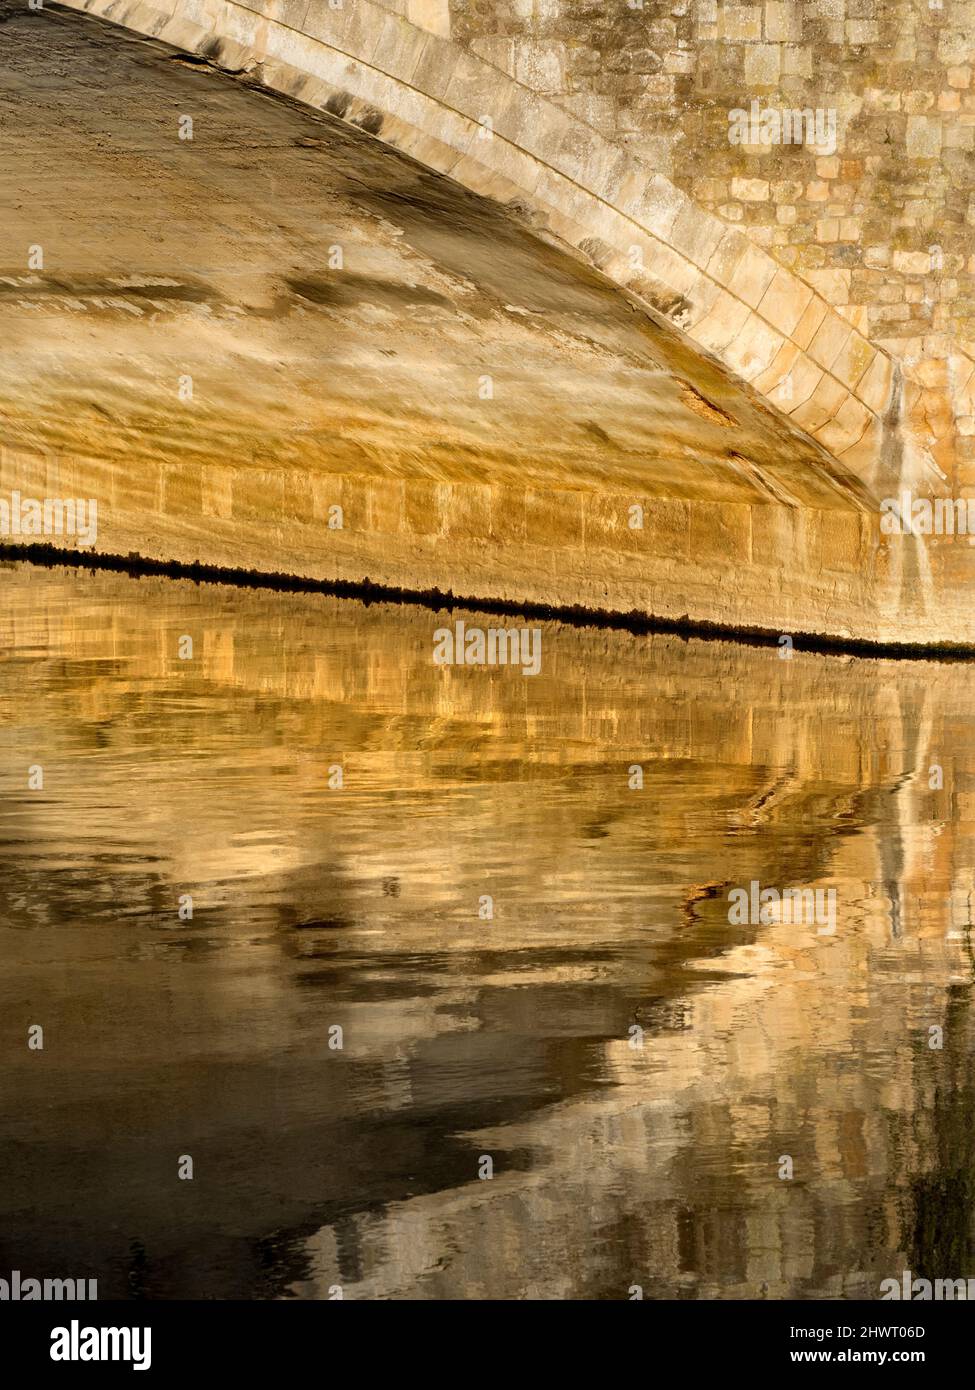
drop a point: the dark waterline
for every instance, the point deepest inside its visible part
(574, 615)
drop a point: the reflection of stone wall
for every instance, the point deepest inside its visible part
(614, 1167)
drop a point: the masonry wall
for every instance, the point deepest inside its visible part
(883, 227)
(589, 107)
(861, 224)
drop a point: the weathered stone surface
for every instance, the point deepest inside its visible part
(417, 80)
(433, 107)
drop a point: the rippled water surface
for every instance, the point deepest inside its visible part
(318, 907)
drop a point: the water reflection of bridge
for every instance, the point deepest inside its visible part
(511, 1038)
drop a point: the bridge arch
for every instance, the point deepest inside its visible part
(750, 423)
(461, 115)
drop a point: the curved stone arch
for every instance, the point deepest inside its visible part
(460, 115)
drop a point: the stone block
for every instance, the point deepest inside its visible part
(431, 15)
(754, 348)
(696, 234)
(752, 276)
(808, 325)
(831, 336)
(740, 23)
(762, 65)
(923, 137)
(784, 302)
(821, 406)
(873, 388)
(852, 360)
(721, 324)
(750, 190)
(845, 428)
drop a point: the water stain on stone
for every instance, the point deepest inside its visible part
(15, 286)
(359, 289)
(338, 104)
(597, 432)
(216, 51)
(371, 121)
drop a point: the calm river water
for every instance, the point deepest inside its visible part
(509, 1044)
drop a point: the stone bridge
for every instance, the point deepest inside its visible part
(804, 309)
